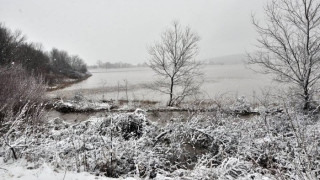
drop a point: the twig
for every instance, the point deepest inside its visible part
(4, 169)
(65, 172)
(160, 136)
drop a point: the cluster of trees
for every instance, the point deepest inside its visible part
(109, 65)
(14, 49)
(25, 69)
(62, 62)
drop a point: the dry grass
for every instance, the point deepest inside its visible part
(21, 98)
(139, 102)
(19, 88)
(63, 84)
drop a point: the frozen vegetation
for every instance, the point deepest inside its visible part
(204, 145)
(79, 104)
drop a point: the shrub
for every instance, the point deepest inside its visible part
(19, 90)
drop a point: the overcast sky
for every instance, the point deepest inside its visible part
(121, 30)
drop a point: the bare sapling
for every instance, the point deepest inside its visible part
(173, 60)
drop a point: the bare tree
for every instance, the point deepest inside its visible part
(290, 44)
(9, 43)
(172, 58)
(77, 64)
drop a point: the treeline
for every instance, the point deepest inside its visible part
(109, 65)
(54, 66)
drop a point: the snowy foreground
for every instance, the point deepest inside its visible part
(19, 171)
(128, 146)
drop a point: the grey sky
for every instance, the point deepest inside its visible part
(120, 30)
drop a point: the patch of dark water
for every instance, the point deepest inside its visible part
(155, 116)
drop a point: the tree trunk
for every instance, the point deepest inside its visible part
(171, 93)
(306, 102)
(14, 153)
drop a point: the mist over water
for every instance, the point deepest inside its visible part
(230, 79)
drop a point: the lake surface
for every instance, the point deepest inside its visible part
(234, 80)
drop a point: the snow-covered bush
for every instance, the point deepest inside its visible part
(202, 146)
(97, 145)
(79, 104)
(241, 106)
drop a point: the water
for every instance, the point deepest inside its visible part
(233, 80)
(111, 77)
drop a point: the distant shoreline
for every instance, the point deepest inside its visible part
(67, 82)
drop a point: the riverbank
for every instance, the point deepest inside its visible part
(66, 82)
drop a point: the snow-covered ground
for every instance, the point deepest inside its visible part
(202, 146)
(21, 170)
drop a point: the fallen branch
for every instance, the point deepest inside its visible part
(160, 136)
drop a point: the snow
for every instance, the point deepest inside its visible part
(80, 104)
(20, 170)
(266, 139)
(203, 146)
